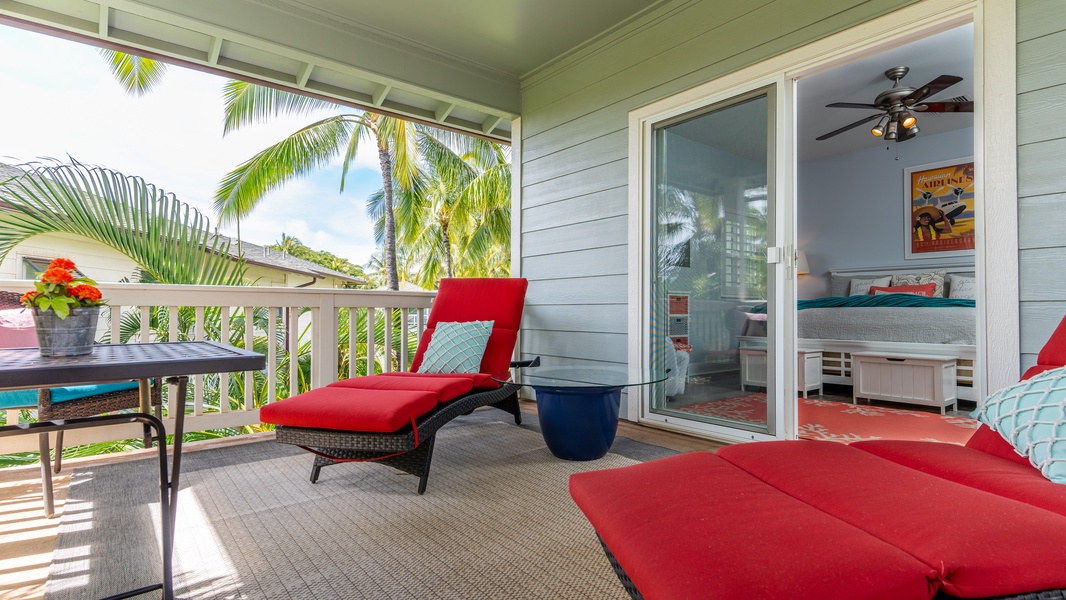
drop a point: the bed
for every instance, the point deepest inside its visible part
(839, 326)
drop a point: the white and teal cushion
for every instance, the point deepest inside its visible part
(28, 398)
(456, 347)
(1031, 415)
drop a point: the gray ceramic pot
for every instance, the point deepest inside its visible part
(72, 336)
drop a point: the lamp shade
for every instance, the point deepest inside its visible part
(801, 263)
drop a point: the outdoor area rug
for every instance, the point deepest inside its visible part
(497, 521)
(843, 422)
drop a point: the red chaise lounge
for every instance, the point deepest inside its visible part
(393, 418)
(881, 519)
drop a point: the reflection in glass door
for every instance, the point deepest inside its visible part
(711, 194)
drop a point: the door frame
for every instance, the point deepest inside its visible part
(995, 158)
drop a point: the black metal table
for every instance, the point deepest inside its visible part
(25, 368)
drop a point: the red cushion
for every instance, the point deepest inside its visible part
(974, 469)
(446, 388)
(694, 526)
(480, 299)
(1054, 351)
(986, 440)
(996, 546)
(379, 411)
(918, 290)
(480, 381)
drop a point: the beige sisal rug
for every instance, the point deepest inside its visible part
(496, 522)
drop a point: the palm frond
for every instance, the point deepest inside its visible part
(137, 75)
(247, 103)
(167, 238)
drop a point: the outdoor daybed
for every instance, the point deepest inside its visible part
(881, 519)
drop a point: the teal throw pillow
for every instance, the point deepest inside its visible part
(1031, 415)
(456, 347)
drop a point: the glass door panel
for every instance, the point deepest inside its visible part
(711, 200)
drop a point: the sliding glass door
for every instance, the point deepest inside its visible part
(710, 299)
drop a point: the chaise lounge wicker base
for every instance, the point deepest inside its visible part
(409, 449)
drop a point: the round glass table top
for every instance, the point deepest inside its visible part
(585, 377)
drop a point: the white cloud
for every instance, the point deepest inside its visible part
(65, 102)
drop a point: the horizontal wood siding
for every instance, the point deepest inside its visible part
(1041, 172)
(575, 230)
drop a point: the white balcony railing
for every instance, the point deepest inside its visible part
(218, 313)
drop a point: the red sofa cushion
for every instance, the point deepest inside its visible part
(480, 381)
(991, 551)
(480, 299)
(986, 440)
(1054, 351)
(672, 522)
(1021, 482)
(380, 411)
(446, 388)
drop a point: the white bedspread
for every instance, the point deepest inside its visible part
(890, 324)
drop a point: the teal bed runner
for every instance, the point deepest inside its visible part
(897, 300)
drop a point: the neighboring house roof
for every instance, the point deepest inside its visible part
(254, 254)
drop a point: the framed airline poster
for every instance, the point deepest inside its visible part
(939, 209)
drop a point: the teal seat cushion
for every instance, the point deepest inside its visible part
(456, 347)
(28, 398)
(1031, 415)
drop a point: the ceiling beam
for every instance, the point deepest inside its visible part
(379, 94)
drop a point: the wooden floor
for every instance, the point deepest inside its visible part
(27, 538)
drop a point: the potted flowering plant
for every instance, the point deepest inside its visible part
(65, 309)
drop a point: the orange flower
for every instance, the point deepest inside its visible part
(62, 263)
(57, 275)
(27, 297)
(85, 293)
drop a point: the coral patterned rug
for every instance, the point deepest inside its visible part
(843, 422)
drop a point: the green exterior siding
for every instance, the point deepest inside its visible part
(1041, 171)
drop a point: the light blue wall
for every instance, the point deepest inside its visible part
(850, 207)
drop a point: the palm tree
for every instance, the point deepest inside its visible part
(311, 147)
(455, 219)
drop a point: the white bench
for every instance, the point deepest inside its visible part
(908, 378)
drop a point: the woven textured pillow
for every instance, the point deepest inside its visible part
(861, 287)
(936, 277)
(1031, 415)
(456, 347)
(960, 286)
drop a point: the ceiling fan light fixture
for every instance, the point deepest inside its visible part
(908, 120)
(892, 129)
(879, 129)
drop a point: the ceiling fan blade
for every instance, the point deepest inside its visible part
(933, 87)
(847, 127)
(943, 107)
(851, 105)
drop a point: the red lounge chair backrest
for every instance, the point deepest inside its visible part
(488, 299)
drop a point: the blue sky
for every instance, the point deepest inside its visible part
(64, 102)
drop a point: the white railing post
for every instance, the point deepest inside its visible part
(223, 378)
(249, 344)
(324, 342)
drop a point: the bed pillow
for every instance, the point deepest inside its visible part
(456, 347)
(1031, 415)
(935, 277)
(962, 286)
(861, 287)
(914, 290)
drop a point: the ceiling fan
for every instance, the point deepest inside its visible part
(896, 121)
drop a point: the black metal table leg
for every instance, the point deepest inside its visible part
(179, 430)
(46, 475)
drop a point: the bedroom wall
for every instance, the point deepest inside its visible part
(850, 211)
(1041, 183)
